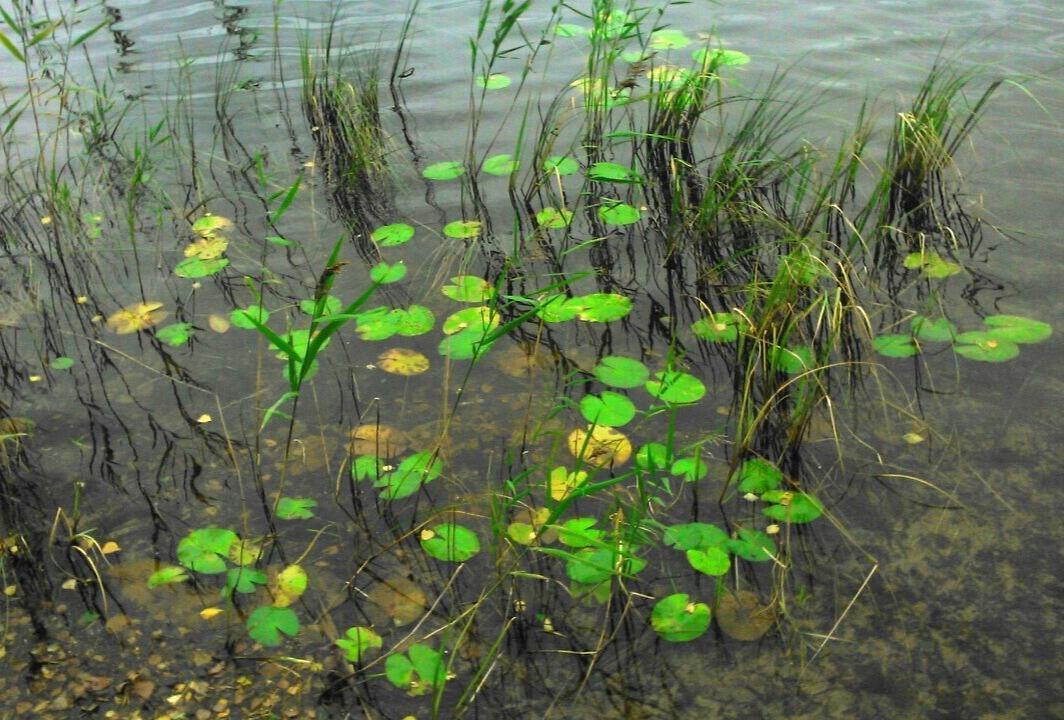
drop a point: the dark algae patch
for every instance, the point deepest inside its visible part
(598, 372)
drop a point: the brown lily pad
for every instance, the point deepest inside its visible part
(380, 440)
(400, 599)
(742, 616)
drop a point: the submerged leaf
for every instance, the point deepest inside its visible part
(176, 335)
(167, 575)
(742, 616)
(300, 508)
(288, 586)
(204, 550)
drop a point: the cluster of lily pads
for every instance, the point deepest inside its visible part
(999, 339)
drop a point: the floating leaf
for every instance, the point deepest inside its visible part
(752, 545)
(447, 170)
(579, 533)
(668, 39)
(793, 360)
(330, 305)
(207, 248)
(557, 308)
(288, 586)
(358, 641)
(553, 218)
(561, 164)
(676, 619)
(692, 469)
(571, 30)
(469, 288)
(494, 81)
(278, 240)
(562, 482)
(175, 335)
(465, 345)
(618, 214)
(65, 363)
(792, 507)
(462, 229)
(742, 616)
(378, 323)
(167, 575)
(209, 225)
(204, 550)
(418, 672)
(267, 623)
(481, 319)
(210, 612)
(414, 320)
(413, 472)
(711, 561)
(196, 268)
(245, 552)
(757, 475)
(136, 317)
(592, 566)
(895, 346)
(386, 274)
(610, 409)
(401, 599)
(600, 446)
(451, 543)
(931, 264)
(503, 164)
(244, 580)
(653, 457)
(695, 536)
(218, 323)
(402, 361)
(392, 235)
(985, 347)
(1014, 328)
(242, 318)
(602, 307)
(673, 387)
(367, 467)
(621, 372)
(612, 172)
(299, 508)
(720, 57)
(929, 329)
(718, 327)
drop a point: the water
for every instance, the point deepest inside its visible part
(929, 592)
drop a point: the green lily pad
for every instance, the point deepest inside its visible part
(462, 229)
(301, 508)
(720, 57)
(330, 305)
(450, 542)
(621, 372)
(204, 550)
(357, 641)
(985, 347)
(554, 218)
(65, 363)
(418, 672)
(718, 327)
(244, 580)
(612, 172)
(267, 623)
(195, 267)
(792, 360)
(166, 575)
(561, 164)
(241, 317)
(895, 346)
(591, 566)
(668, 39)
(927, 329)
(494, 81)
(580, 533)
(503, 164)
(931, 264)
(481, 319)
(378, 323)
(691, 469)
(367, 467)
(757, 475)
(386, 274)
(446, 170)
(176, 335)
(792, 507)
(602, 307)
(674, 387)
(694, 536)
(571, 30)
(413, 472)
(619, 214)
(392, 235)
(610, 409)
(752, 545)
(653, 457)
(558, 308)
(1017, 329)
(469, 288)
(676, 619)
(414, 320)
(465, 345)
(711, 561)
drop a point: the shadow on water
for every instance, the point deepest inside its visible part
(630, 401)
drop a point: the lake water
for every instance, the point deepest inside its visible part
(930, 588)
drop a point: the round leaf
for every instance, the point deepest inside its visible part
(65, 363)
(561, 165)
(1017, 329)
(895, 346)
(469, 288)
(621, 372)
(928, 329)
(695, 536)
(386, 274)
(602, 307)
(553, 218)
(267, 623)
(673, 387)
(451, 543)
(985, 347)
(618, 214)
(288, 586)
(242, 317)
(176, 335)
(447, 170)
(462, 229)
(668, 39)
(718, 327)
(600, 446)
(401, 361)
(711, 561)
(792, 507)
(289, 508)
(752, 545)
(194, 267)
(758, 476)
(500, 164)
(392, 235)
(494, 81)
(357, 641)
(612, 172)
(610, 409)
(204, 550)
(676, 619)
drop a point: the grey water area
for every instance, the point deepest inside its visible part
(931, 588)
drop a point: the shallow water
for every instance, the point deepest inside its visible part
(930, 593)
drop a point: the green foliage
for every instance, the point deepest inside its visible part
(618, 213)
(247, 318)
(674, 387)
(392, 235)
(676, 619)
(691, 469)
(500, 165)
(176, 334)
(268, 625)
(612, 172)
(984, 347)
(469, 288)
(65, 363)
(195, 267)
(895, 346)
(792, 507)
(446, 170)
(752, 545)
(418, 671)
(1016, 329)
(928, 329)
(413, 472)
(166, 575)
(243, 580)
(718, 327)
(621, 372)
(204, 550)
(357, 641)
(610, 409)
(462, 229)
(757, 475)
(384, 274)
(450, 542)
(694, 536)
(289, 508)
(561, 165)
(710, 561)
(494, 81)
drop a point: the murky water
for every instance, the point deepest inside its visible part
(930, 590)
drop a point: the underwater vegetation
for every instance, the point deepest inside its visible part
(593, 380)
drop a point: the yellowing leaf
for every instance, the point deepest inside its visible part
(204, 418)
(134, 318)
(562, 482)
(210, 612)
(209, 225)
(70, 584)
(109, 547)
(401, 361)
(600, 446)
(207, 247)
(218, 323)
(289, 584)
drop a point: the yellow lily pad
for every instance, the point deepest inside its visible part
(207, 247)
(289, 584)
(600, 446)
(401, 361)
(209, 225)
(563, 482)
(136, 317)
(381, 440)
